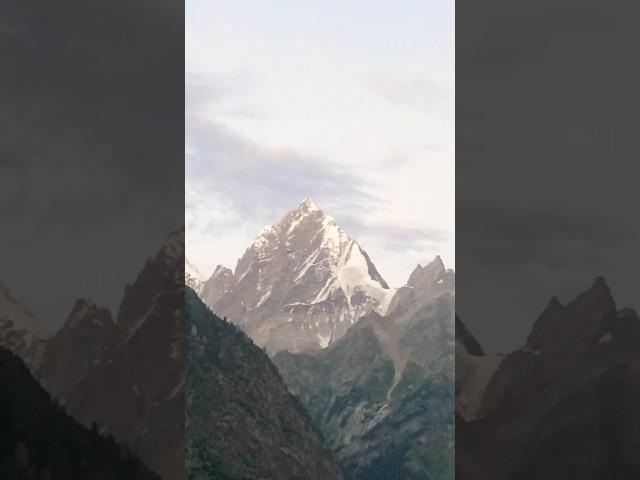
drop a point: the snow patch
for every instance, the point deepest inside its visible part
(264, 298)
(324, 340)
(473, 374)
(606, 338)
(138, 323)
(528, 350)
(177, 389)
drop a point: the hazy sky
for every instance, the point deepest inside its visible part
(350, 103)
(547, 171)
(91, 170)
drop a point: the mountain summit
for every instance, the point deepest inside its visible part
(192, 276)
(302, 283)
(20, 331)
(562, 406)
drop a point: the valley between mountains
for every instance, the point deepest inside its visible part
(303, 363)
(370, 365)
(121, 375)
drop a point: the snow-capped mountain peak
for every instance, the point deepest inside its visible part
(312, 244)
(308, 205)
(303, 273)
(306, 216)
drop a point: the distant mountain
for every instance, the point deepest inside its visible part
(128, 374)
(300, 285)
(383, 393)
(218, 285)
(20, 331)
(39, 441)
(192, 277)
(566, 404)
(85, 339)
(241, 421)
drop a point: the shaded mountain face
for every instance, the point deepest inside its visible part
(40, 441)
(85, 339)
(300, 285)
(242, 423)
(467, 340)
(383, 393)
(128, 375)
(474, 371)
(564, 405)
(20, 331)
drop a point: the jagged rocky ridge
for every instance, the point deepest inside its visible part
(127, 374)
(39, 441)
(383, 393)
(218, 285)
(20, 331)
(300, 285)
(564, 406)
(242, 423)
(193, 277)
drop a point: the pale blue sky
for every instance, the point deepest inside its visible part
(350, 103)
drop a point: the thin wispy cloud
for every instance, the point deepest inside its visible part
(227, 165)
(284, 107)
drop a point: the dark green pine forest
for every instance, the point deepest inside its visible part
(39, 441)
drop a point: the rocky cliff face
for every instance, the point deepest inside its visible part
(383, 393)
(128, 375)
(564, 405)
(300, 285)
(85, 339)
(242, 422)
(218, 285)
